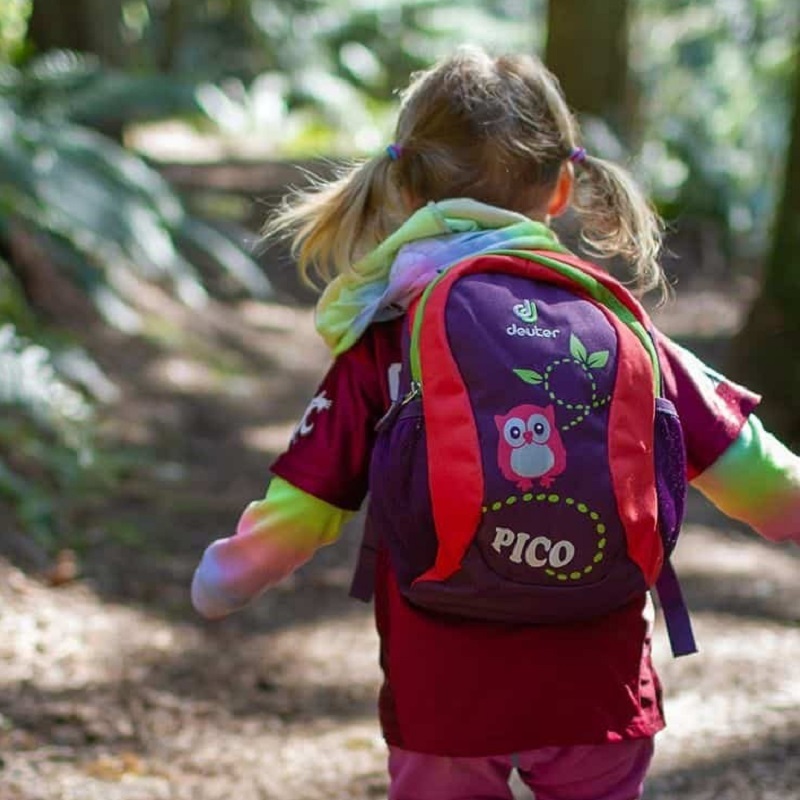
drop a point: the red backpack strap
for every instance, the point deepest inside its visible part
(453, 450)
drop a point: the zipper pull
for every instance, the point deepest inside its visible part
(395, 408)
(414, 392)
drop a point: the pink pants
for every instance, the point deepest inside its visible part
(595, 772)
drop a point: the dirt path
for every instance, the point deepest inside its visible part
(111, 688)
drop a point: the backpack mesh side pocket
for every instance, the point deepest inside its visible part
(400, 505)
(670, 459)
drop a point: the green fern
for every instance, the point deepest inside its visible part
(45, 435)
(99, 209)
(69, 86)
(30, 383)
(14, 307)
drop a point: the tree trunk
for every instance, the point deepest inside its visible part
(88, 26)
(587, 49)
(169, 19)
(766, 351)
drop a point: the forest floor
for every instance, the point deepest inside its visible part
(111, 688)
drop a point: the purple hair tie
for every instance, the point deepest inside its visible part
(394, 151)
(577, 155)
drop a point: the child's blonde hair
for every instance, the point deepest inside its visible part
(496, 130)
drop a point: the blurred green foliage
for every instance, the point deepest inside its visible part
(45, 429)
(715, 78)
(310, 77)
(13, 24)
(370, 43)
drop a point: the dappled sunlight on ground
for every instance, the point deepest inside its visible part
(104, 700)
(100, 700)
(733, 710)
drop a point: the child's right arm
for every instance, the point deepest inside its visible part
(757, 480)
(742, 468)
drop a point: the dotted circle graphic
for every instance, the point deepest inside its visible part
(583, 409)
(594, 520)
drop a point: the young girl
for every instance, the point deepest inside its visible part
(485, 153)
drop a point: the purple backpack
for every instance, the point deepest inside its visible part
(531, 471)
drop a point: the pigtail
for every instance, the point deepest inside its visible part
(618, 220)
(334, 223)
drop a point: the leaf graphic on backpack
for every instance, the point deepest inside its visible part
(586, 362)
(529, 376)
(595, 360)
(577, 348)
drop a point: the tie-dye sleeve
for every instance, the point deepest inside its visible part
(757, 480)
(274, 537)
(743, 469)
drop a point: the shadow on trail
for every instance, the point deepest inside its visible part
(158, 581)
(758, 770)
(726, 569)
(125, 713)
(744, 600)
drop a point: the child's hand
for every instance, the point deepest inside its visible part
(209, 601)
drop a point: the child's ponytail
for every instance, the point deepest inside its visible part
(617, 220)
(333, 223)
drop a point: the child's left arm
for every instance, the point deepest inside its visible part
(319, 482)
(274, 537)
